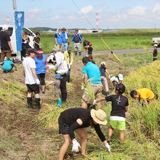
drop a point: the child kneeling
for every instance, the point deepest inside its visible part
(57, 87)
(119, 107)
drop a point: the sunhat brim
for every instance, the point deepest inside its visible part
(93, 115)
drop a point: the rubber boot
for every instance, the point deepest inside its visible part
(79, 53)
(68, 78)
(64, 97)
(59, 102)
(29, 101)
(38, 103)
(75, 53)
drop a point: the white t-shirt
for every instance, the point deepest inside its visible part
(29, 63)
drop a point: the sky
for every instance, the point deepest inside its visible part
(113, 14)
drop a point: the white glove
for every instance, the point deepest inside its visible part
(107, 146)
(46, 66)
(69, 66)
(75, 146)
(109, 76)
(94, 102)
(37, 81)
(70, 63)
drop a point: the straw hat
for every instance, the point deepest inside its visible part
(63, 28)
(99, 116)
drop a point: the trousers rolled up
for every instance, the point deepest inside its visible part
(105, 83)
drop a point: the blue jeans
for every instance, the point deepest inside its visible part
(64, 46)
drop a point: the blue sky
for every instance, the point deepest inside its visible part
(63, 13)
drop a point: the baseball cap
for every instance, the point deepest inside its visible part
(103, 63)
(121, 88)
(54, 50)
(4, 27)
(69, 48)
(76, 29)
(120, 76)
(155, 45)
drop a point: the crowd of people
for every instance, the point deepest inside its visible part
(36, 65)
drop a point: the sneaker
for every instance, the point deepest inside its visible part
(107, 146)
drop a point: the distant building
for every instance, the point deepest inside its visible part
(50, 31)
(89, 31)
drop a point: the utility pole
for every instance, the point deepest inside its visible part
(14, 5)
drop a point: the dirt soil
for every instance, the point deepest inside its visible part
(21, 138)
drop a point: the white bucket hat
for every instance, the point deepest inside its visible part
(103, 63)
(99, 116)
(4, 27)
(155, 45)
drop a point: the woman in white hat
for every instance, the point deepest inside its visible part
(103, 71)
(76, 119)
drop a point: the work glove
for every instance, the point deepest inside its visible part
(75, 146)
(94, 102)
(107, 146)
(68, 43)
(70, 63)
(16, 69)
(111, 52)
(109, 76)
(37, 81)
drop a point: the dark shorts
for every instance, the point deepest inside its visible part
(41, 78)
(33, 88)
(63, 128)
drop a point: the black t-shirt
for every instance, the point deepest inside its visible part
(37, 39)
(85, 42)
(90, 49)
(69, 116)
(155, 53)
(118, 104)
(4, 37)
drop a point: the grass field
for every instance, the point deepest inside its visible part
(114, 42)
(25, 135)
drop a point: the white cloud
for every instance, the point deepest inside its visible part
(139, 11)
(55, 17)
(72, 17)
(86, 10)
(61, 7)
(35, 10)
(157, 7)
(99, 11)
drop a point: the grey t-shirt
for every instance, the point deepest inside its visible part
(57, 86)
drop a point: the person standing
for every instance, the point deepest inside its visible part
(91, 72)
(58, 40)
(36, 41)
(103, 71)
(62, 69)
(65, 39)
(155, 52)
(6, 47)
(41, 62)
(24, 45)
(31, 79)
(77, 39)
(68, 56)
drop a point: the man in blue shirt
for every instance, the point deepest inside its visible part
(8, 65)
(65, 39)
(58, 40)
(77, 39)
(91, 72)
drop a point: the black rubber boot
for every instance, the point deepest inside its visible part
(37, 103)
(68, 78)
(29, 101)
(75, 53)
(64, 97)
(79, 53)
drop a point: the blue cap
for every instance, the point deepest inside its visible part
(58, 76)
